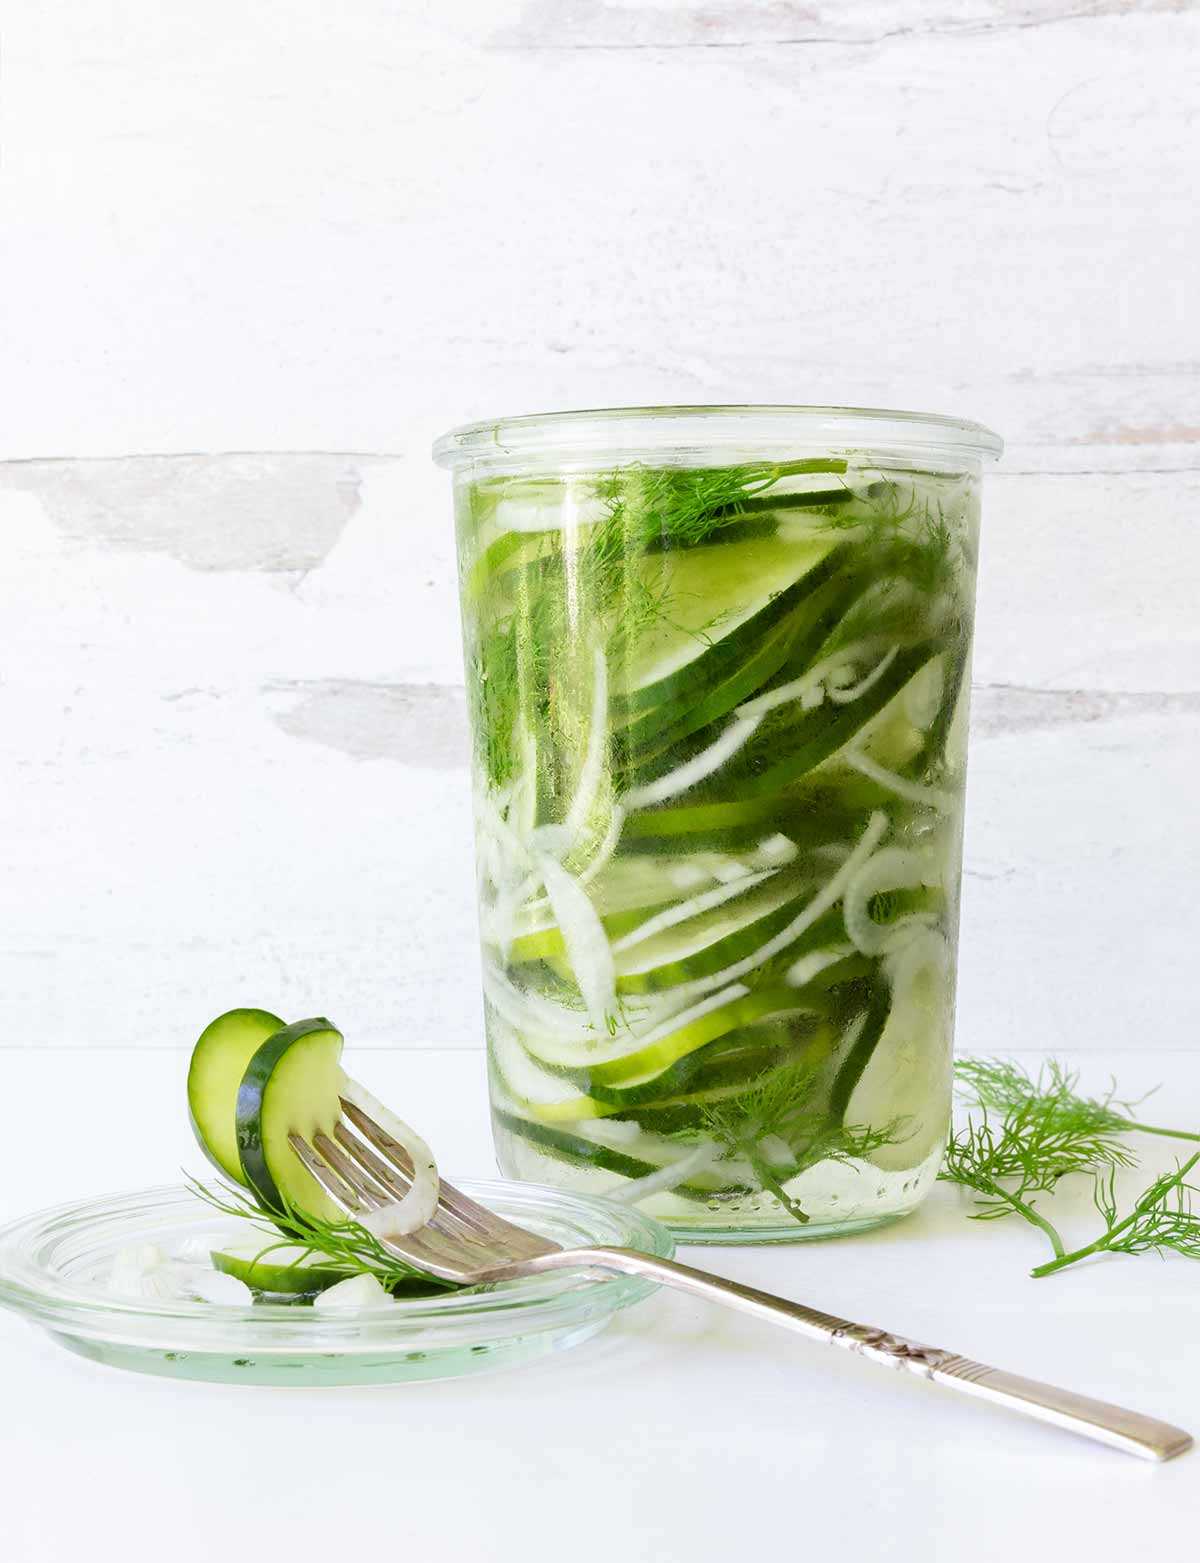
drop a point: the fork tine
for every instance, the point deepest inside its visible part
(350, 1172)
(397, 1184)
(340, 1193)
(515, 1241)
(448, 1236)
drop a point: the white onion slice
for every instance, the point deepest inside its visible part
(685, 910)
(895, 868)
(844, 696)
(910, 791)
(360, 1291)
(214, 1286)
(587, 946)
(809, 684)
(829, 895)
(418, 1205)
(814, 963)
(735, 737)
(699, 1159)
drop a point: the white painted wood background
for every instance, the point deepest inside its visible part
(231, 724)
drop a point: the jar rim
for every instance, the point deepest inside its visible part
(693, 435)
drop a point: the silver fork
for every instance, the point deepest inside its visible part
(362, 1168)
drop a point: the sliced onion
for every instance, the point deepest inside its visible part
(895, 868)
(214, 1286)
(586, 942)
(685, 910)
(844, 696)
(910, 791)
(808, 683)
(530, 1013)
(777, 849)
(132, 1267)
(813, 964)
(630, 1190)
(735, 737)
(418, 1205)
(360, 1291)
(829, 895)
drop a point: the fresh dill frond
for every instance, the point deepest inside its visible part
(773, 1126)
(1162, 1220)
(1002, 1085)
(344, 1242)
(1025, 1133)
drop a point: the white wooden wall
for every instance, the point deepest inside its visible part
(231, 724)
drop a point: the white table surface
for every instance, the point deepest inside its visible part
(680, 1432)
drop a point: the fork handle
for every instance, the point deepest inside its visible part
(1129, 1431)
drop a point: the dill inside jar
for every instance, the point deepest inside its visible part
(718, 677)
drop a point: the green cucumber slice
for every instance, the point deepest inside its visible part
(292, 1085)
(215, 1072)
(791, 742)
(646, 1154)
(285, 1268)
(709, 592)
(808, 614)
(906, 1077)
(657, 1055)
(707, 944)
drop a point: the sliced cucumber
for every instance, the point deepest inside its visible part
(551, 1098)
(905, 1078)
(643, 1155)
(738, 826)
(292, 1085)
(733, 1061)
(545, 943)
(285, 1268)
(710, 591)
(775, 652)
(657, 1055)
(792, 742)
(218, 1063)
(716, 939)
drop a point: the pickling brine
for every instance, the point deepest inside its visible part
(719, 715)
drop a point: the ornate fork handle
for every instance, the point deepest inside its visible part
(1129, 1431)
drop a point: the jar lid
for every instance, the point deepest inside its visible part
(711, 436)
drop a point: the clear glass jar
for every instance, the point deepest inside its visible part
(718, 671)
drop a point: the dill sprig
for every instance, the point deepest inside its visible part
(344, 1242)
(1028, 1132)
(1162, 1219)
(775, 1109)
(1004, 1086)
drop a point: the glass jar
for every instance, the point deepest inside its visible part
(718, 672)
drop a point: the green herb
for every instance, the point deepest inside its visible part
(345, 1242)
(1047, 1130)
(1161, 1219)
(1002, 1085)
(777, 1108)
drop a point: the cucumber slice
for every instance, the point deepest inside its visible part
(716, 939)
(732, 1062)
(286, 1268)
(657, 1055)
(791, 742)
(709, 592)
(550, 1098)
(645, 1154)
(735, 827)
(905, 1078)
(773, 655)
(292, 1085)
(218, 1063)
